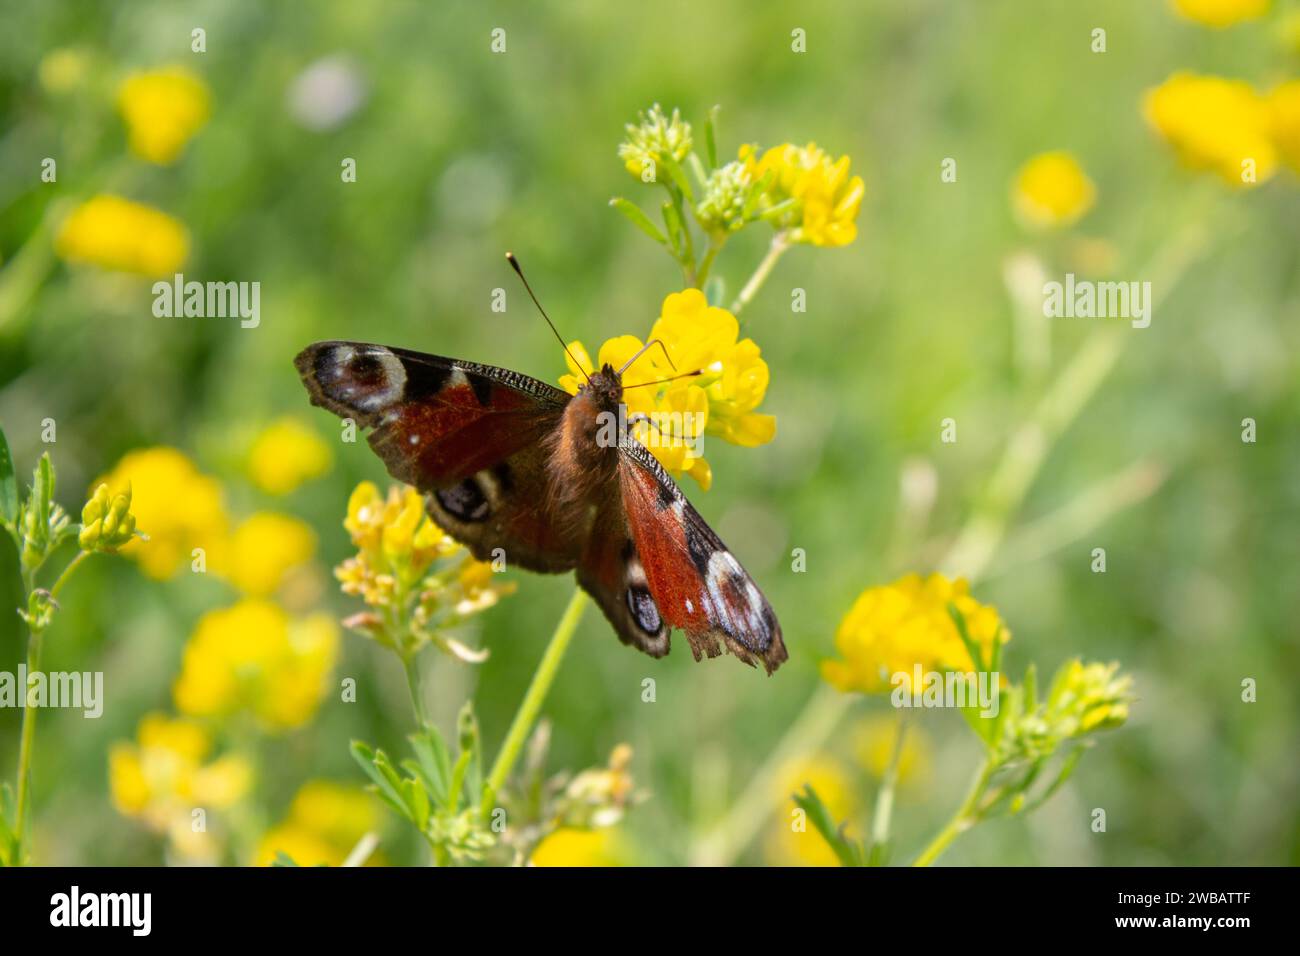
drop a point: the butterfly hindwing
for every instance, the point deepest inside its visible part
(469, 436)
(691, 580)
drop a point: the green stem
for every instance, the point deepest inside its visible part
(412, 667)
(885, 797)
(28, 736)
(702, 274)
(774, 252)
(965, 817)
(67, 573)
(531, 705)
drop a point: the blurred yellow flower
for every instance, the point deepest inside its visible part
(891, 629)
(253, 658)
(116, 233)
(180, 508)
(1051, 190)
(325, 821)
(655, 138)
(823, 200)
(720, 401)
(874, 739)
(1220, 13)
(264, 548)
(792, 840)
(162, 777)
(62, 70)
(572, 846)
(163, 110)
(285, 454)
(1284, 106)
(1215, 124)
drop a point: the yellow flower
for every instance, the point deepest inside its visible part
(397, 546)
(1220, 13)
(720, 401)
(1052, 190)
(792, 840)
(823, 200)
(656, 138)
(106, 523)
(285, 454)
(163, 110)
(62, 70)
(253, 658)
(116, 233)
(873, 744)
(264, 548)
(891, 629)
(162, 777)
(572, 846)
(325, 821)
(1284, 104)
(179, 507)
(1215, 124)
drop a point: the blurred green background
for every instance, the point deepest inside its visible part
(462, 154)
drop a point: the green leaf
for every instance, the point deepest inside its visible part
(283, 859)
(847, 851)
(639, 219)
(431, 751)
(678, 176)
(711, 137)
(8, 484)
(676, 229)
(44, 489)
(381, 774)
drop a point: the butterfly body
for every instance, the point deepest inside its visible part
(513, 467)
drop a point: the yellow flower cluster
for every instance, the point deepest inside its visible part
(325, 821)
(106, 522)
(183, 510)
(165, 774)
(820, 201)
(720, 401)
(253, 658)
(1217, 124)
(286, 454)
(655, 138)
(393, 572)
(1051, 191)
(163, 109)
(891, 629)
(126, 236)
(1220, 13)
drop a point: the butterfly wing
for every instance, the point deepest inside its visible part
(654, 564)
(469, 436)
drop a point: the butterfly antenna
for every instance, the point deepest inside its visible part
(514, 264)
(642, 350)
(698, 371)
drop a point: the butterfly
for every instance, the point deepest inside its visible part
(509, 464)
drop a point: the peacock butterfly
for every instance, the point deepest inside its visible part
(506, 461)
